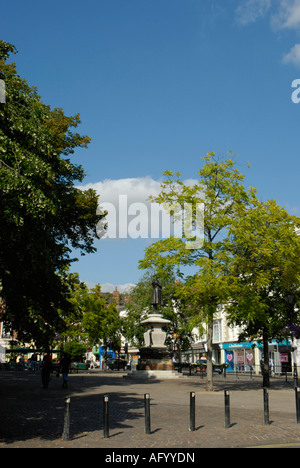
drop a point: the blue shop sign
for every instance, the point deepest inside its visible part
(274, 343)
(246, 344)
(250, 344)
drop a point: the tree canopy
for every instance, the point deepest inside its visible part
(220, 192)
(43, 216)
(264, 263)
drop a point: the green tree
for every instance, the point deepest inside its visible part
(42, 214)
(76, 350)
(92, 321)
(138, 307)
(101, 321)
(73, 330)
(264, 243)
(178, 310)
(220, 191)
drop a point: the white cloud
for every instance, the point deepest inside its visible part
(122, 288)
(109, 287)
(287, 15)
(130, 213)
(251, 10)
(121, 198)
(293, 56)
(137, 189)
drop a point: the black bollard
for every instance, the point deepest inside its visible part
(266, 407)
(147, 413)
(297, 395)
(227, 408)
(105, 417)
(192, 411)
(66, 430)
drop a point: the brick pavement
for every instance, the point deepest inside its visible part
(31, 417)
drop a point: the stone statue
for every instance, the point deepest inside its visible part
(156, 293)
(155, 336)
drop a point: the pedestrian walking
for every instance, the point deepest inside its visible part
(65, 369)
(33, 363)
(22, 363)
(271, 367)
(46, 369)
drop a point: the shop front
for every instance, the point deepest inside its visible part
(248, 356)
(239, 356)
(280, 356)
(198, 351)
(101, 353)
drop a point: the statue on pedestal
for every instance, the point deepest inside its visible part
(156, 293)
(155, 336)
(155, 360)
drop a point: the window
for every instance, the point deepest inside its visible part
(217, 331)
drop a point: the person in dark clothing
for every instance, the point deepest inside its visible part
(46, 369)
(65, 369)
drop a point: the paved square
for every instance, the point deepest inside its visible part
(33, 417)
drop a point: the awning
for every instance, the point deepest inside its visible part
(199, 346)
(31, 350)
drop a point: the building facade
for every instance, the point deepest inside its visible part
(5, 338)
(244, 356)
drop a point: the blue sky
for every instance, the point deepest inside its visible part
(158, 84)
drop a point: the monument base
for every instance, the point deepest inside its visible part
(155, 363)
(155, 374)
(155, 359)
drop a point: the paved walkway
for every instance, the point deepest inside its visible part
(33, 417)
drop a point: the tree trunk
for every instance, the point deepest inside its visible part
(265, 367)
(209, 366)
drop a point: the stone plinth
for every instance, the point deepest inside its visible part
(155, 374)
(155, 359)
(155, 336)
